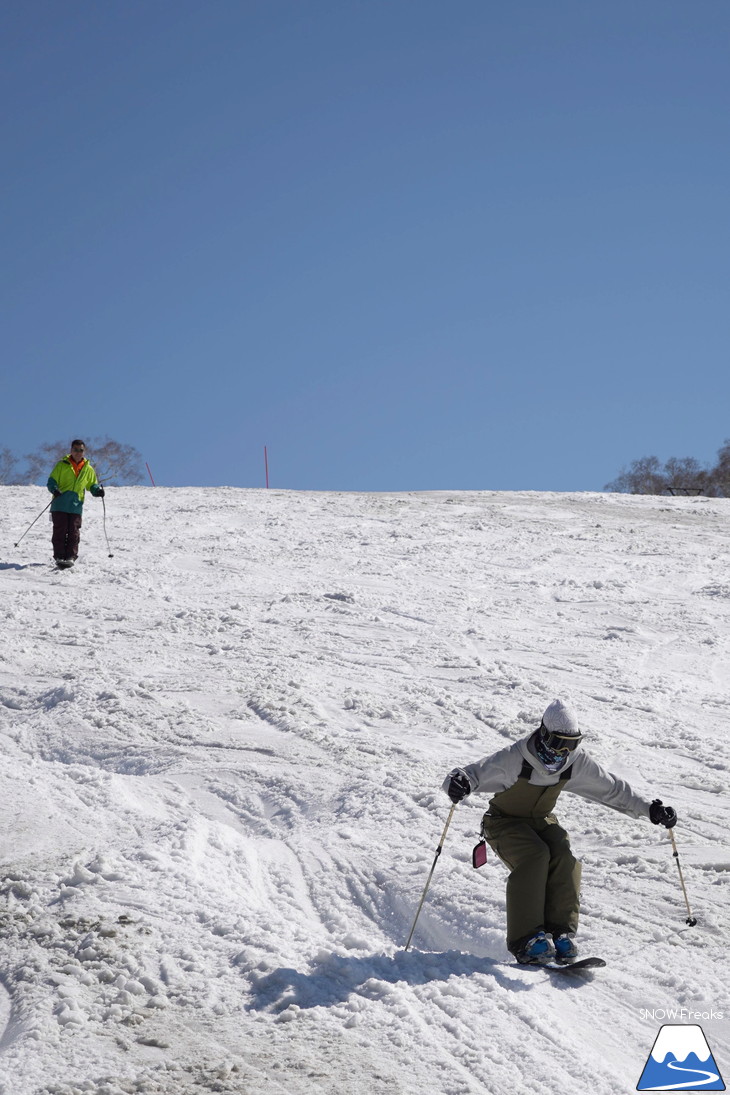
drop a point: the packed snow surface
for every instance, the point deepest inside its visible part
(223, 749)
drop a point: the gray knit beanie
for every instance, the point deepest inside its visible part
(560, 719)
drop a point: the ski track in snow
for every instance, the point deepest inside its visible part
(221, 792)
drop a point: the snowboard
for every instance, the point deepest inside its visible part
(580, 965)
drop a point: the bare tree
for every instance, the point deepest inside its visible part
(643, 476)
(719, 475)
(8, 467)
(45, 457)
(684, 475)
(678, 475)
(114, 462)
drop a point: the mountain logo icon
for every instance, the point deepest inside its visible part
(680, 1060)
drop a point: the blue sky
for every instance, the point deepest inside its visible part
(404, 244)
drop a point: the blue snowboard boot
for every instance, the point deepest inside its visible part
(565, 947)
(536, 950)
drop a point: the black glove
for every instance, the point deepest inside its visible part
(459, 786)
(662, 815)
(100, 492)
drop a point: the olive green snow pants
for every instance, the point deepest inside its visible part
(544, 881)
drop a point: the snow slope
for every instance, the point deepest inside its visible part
(220, 791)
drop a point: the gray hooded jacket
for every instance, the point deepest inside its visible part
(587, 779)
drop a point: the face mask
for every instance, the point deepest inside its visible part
(552, 761)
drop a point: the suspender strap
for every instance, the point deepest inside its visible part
(526, 771)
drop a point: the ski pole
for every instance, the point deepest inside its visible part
(691, 920)
(430, 875)
(30, 526)
(103, 506)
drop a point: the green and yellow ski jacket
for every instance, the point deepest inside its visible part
(72, 484)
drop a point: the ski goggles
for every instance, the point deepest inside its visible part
(562, 744)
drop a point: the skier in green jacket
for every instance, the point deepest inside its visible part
(68, 483)
(526, 779)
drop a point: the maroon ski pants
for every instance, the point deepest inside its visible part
(66, 535)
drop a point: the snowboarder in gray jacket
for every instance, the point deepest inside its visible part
(527, 778)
